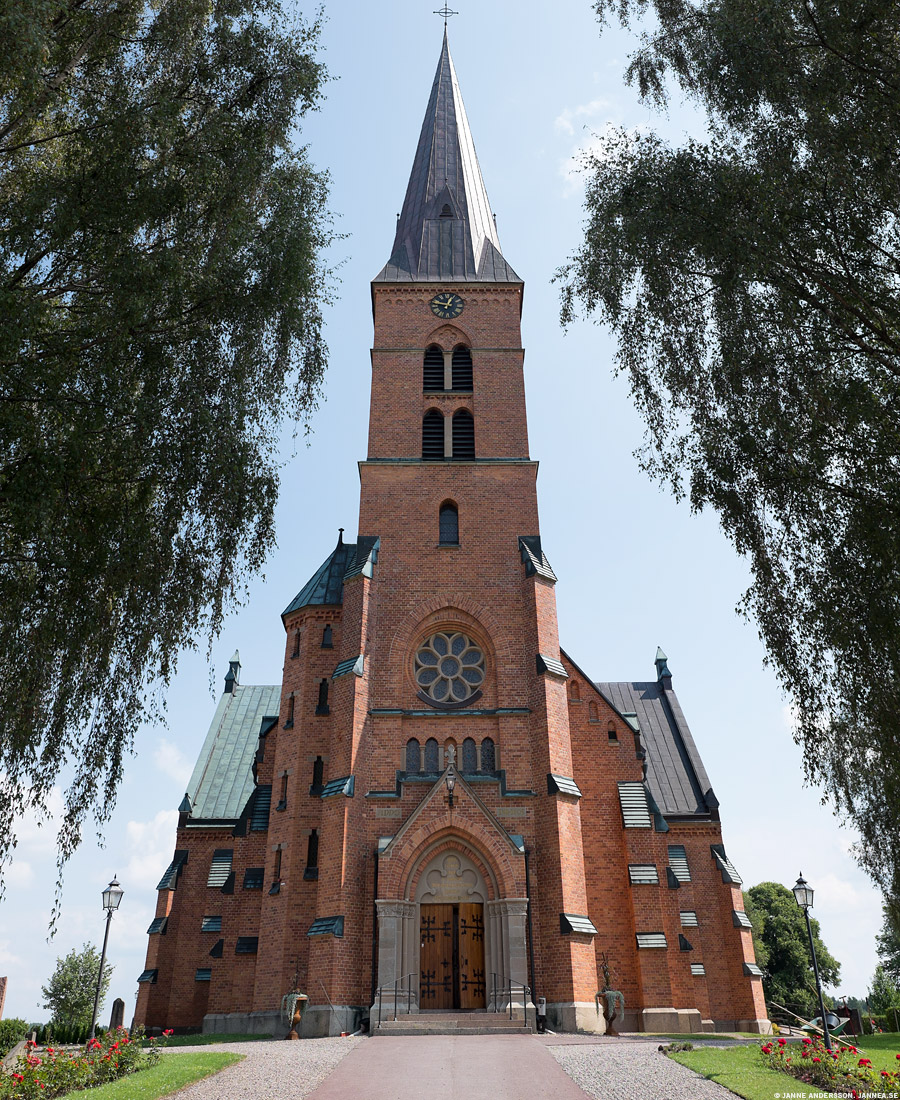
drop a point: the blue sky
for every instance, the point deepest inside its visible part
(636, 569)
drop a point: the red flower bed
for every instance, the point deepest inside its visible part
(840, 1070)
(53, 1072)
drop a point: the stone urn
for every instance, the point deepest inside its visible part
(292, 1006)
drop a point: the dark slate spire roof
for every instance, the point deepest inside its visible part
(326, 586)
(446, 230)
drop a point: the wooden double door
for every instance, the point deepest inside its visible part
(451, 966)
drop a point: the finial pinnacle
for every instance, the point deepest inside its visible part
(446, 11)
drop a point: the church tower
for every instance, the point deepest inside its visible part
(437, 801)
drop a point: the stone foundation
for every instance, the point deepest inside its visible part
(575, 1016)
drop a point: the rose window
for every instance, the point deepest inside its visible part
(449, 668)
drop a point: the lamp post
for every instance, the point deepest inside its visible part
(451, 783)
(112, 895)
(804, 896)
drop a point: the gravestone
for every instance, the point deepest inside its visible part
(118, 1014)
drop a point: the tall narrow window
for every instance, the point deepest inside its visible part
(295, 652)
(469, 757)
(575, 691)
(488, 755)
(462, 369)
(448, 524)
(413, 757)
(611, 732)
(282, 800)
(432, 757)
(318, 775)
(433, 435)
(327, 640)
(312, 856)
(593, 713)
(433, 369)
(322, 704)
(289, 721)
(463, 434)
(276, 871)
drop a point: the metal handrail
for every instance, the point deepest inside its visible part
(397, 985)
(501, 984)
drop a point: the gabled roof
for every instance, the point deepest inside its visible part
(675, 773)
(222, 780)
(446, 230)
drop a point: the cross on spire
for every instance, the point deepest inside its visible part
(446, 11)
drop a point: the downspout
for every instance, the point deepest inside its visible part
(374, 934)
(530, 929)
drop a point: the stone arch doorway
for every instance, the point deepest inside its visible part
(449, 871)
(452, 949)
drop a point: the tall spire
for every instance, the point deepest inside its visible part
(446, 230)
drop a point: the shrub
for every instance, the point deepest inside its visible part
(839, 1070)
(12, 1031)
(54, 1072)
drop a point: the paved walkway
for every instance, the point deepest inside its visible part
(451, 1067)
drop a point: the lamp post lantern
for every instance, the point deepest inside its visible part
(112, 895)
(451, 784)
(803, 894)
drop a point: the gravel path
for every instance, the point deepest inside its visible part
(634, 1071)
(275, 1070)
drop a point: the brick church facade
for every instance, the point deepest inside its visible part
(436, 793)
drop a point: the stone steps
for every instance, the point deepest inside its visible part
(453, 1023)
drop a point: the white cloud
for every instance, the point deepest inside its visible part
(149, 846)
(36, 832)
(565, 122)
(171, 761)
(19, 874)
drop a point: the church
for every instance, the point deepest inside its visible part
(438, 808)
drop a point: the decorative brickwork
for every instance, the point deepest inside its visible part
(360, 768)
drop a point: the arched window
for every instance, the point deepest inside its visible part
(462, 369)
(593, 713)
(469, 757)
(312, 856)
(327, 639)
(446, 212)
(613, 735)
(433, 435)
(432, 757)
(488, 755)
(433, 369)
(295, 652)
(463, 434)
(322, 705)
(413, 757)
(449, 524)
(575, 691)
(318, 779)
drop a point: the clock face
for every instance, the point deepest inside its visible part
(446, 305)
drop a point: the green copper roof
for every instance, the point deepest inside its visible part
(222, 780)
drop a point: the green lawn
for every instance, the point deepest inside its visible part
(742, 1070)
(203, 1040)
(172, 1072)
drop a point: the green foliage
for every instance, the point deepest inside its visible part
(780, 937)
(844, 1069)
(168, 1076)
(52, 1072)
(888, 940)
(751, 279)
(208, 1040)
(161, 285)
(70, 992)
(884, 993)
(12, 1031)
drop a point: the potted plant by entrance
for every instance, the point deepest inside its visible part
(612, 1001)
